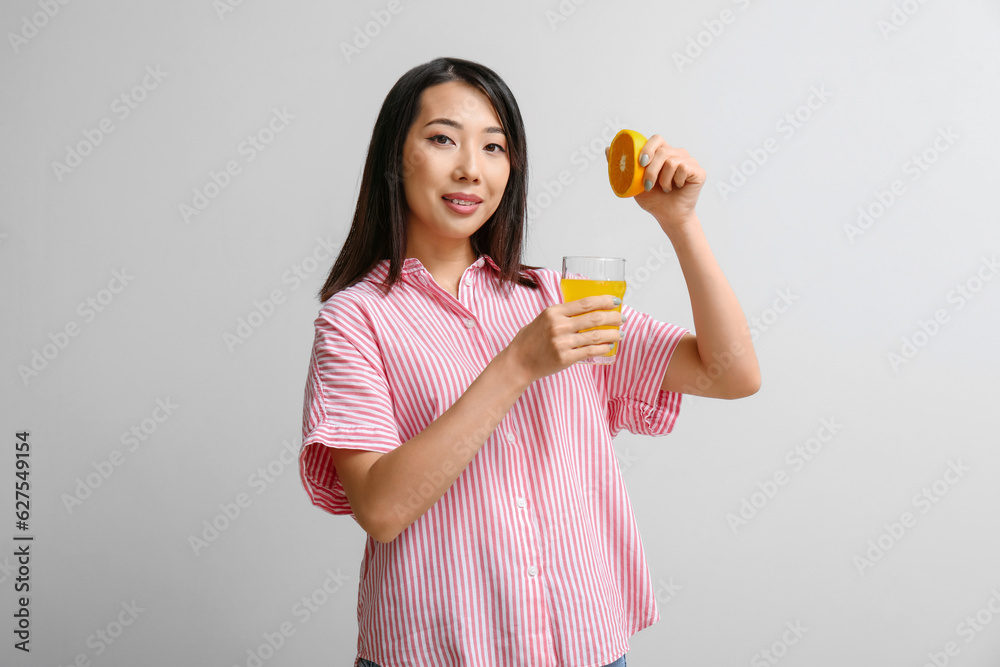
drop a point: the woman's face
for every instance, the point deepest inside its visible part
(455, 165)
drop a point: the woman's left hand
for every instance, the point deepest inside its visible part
(674, 180)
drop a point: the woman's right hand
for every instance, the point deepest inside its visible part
(553, 340)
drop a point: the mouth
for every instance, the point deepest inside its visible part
(462, 202)
(463, 198)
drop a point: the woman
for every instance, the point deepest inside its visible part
(444, 409)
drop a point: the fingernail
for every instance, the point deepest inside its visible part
(615, 300)
(648, 185)
(624, 319)
(643, 161)
(621, 333)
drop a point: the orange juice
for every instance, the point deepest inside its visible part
(574, 289)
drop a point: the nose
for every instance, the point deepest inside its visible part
(467, 164)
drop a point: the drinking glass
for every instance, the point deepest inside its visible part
(594, 276)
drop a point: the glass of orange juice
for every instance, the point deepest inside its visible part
(594, 276)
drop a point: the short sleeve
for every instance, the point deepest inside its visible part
(635, 401)
(347, 404)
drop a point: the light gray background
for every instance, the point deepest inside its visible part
(724, 595)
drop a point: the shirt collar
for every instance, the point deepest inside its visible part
(413, 266)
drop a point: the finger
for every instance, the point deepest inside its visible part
(589, 303)
(663, 167)
(607, 153)
(687, 172)
(597, 350)
(693, 173)
(596, 338)
(588, 351)
(602, 321)
(586, 322)
(677, 178)
(648, 150)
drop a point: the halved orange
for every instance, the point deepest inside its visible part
(624, 171)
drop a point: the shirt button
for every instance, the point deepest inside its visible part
(468, 281)
(469, 323)
(510, 437)
(521, 502)
(532, 570)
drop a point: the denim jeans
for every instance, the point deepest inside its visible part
(620, 662)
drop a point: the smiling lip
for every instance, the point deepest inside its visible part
(463, 196)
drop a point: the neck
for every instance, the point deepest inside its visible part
(445, 263)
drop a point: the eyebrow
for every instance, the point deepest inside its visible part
(458, 126)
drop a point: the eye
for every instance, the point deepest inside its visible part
(437, 139)
(497, 148)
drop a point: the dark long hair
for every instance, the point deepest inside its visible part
(378, 230)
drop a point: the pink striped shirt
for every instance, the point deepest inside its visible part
(532, 557)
